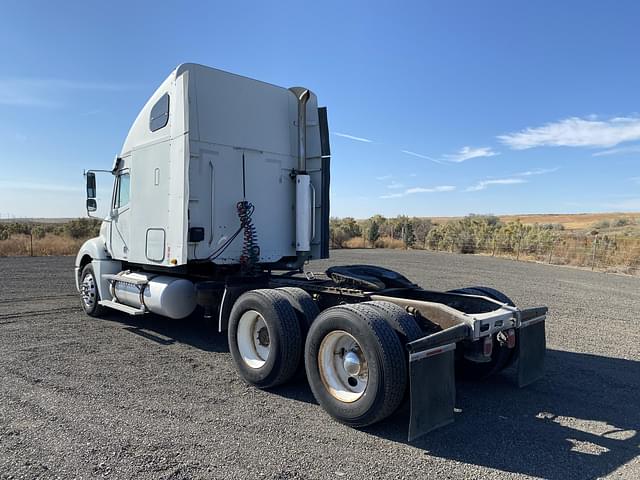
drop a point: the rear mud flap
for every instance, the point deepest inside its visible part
(531, 350)
(433, 389)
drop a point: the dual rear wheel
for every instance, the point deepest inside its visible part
(353, 355)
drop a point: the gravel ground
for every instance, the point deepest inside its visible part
(150, 398)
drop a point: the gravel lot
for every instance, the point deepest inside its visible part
(150, 398)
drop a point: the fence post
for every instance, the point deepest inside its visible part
(30, 243)
(518, 249)
(493, 253)
(593, 256)
(552, 247)
(603, 257)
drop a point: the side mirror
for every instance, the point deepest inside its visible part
(92, 205)
(91, 186)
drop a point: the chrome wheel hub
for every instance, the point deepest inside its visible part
(351, 363)
(343, 366)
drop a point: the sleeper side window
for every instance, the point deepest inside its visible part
(124, 188)
(159, 113)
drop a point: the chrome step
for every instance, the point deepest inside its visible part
(121, 307)
(122, 278)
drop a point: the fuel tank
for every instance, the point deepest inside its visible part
(163, 295)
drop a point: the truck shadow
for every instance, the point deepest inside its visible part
(581, 419)
(193, 330)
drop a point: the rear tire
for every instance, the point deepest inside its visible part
(264, 338)
(501, 356)
(89, 293)
(403, 323)
(306, 309)
(355, 364)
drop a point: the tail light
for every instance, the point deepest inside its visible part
(487, 347)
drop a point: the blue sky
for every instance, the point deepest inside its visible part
(435, 107)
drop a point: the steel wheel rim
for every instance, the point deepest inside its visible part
(88, 291)
(343, 366)
(253, 339)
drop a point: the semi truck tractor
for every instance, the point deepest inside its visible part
(220, 200)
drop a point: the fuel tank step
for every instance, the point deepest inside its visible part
(121, 307)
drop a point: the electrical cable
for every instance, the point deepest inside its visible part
(250, 249)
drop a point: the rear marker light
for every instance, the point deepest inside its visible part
(487, 347)
(511, 338)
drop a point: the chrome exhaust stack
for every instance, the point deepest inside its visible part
(304, 188)
(302, 95)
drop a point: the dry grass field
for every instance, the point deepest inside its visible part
(570, 221)
(44, 237)
(607, 242)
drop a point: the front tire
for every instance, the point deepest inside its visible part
(265, 339)
(355, 364)
(89, 293)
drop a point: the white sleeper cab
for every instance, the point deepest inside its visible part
(220, 198)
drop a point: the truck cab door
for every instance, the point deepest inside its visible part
(121, 214)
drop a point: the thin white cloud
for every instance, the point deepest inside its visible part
(420, 155)
(395, 185)
(467, 153)
(576, 132)
(617, 151)
(635, 180)
(384, 177)
(24, 99)
(45, 92)
(484, 184)
(46, 187)
(352, 137)
(66, 84)
(537, 171)
(414, 190)
(439, 188)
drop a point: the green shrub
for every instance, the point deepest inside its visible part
(38, 232)
(621, 222)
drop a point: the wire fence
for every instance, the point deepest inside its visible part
(597, 252)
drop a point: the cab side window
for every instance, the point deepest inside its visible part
(159, 113)
(123, 190)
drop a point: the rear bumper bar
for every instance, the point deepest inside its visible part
(432, 361)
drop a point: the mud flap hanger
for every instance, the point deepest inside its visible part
(432, 374)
